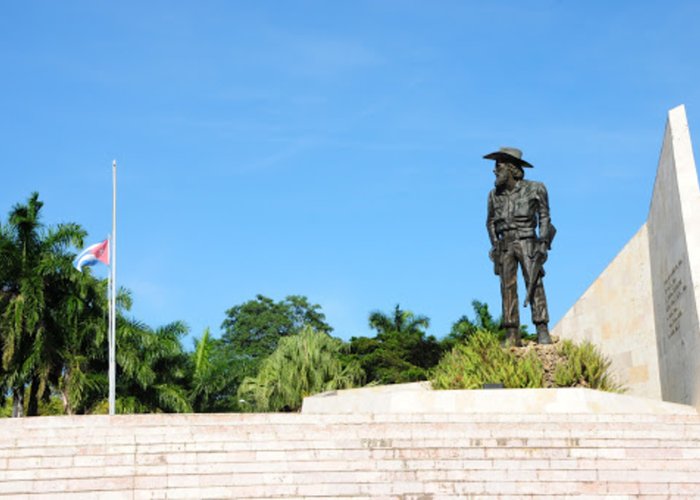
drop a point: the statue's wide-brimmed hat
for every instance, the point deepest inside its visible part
(512, 155)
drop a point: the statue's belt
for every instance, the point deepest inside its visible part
(516, 234)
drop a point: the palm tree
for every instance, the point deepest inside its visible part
(483, 320)
(405, 335)
(151, 365)
(32, 260)
(203, 371)
(83, 319)
(401, 322)
(401, 351)
(151, 368)
(302, 365)
(53, 331)
(465, 327)
(213, 383)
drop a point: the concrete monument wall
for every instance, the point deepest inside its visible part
(674, 252)
(643, 310)
(616, 314)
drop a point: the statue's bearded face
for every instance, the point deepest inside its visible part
(503, 173)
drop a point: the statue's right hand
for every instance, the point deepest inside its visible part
(493, 253)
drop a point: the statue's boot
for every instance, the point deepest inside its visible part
(513, 336)
(543, 334)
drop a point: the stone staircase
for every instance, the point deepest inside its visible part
(382, 455)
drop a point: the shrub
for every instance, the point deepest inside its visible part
(585, 366)
(303, 364)
(482, 360)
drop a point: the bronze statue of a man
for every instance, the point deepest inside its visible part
(521, 233)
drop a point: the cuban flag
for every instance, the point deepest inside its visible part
(92, 254)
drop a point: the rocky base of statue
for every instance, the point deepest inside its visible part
(584, 366)
(550, 355)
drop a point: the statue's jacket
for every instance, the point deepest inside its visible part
(516, 214)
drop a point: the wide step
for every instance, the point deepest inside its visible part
(415, 456)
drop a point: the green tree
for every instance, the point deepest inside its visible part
(33, 261)
(400, 321)
(252, 330)
(465, 327)
(212, 382)
(151, 368)
(483, 321)
(53, 330)
(401, 350)
(83, 311)
(302, 365)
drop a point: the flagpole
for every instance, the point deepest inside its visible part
(109, 322)
(113, 295)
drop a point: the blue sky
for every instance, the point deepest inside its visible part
(334, 149)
